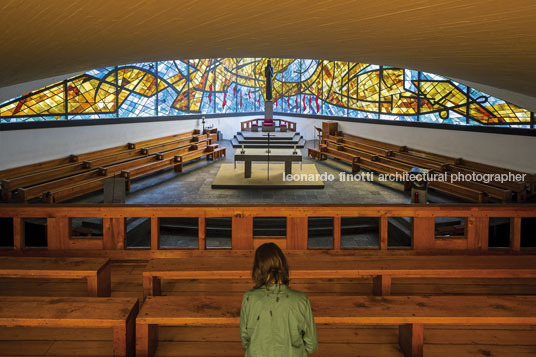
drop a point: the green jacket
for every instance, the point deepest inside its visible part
(277, 322)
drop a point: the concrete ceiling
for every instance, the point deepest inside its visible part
(491, 42)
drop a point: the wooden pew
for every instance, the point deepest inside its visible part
(35, 174)
(25, 194)
(407, 160)
(388, 166)
(166, 160)
(140, 171)
(158, 141)
(117, 158)
(95, 270)
(166, 147)
(37, 167)
(410, 313)
(530, 179)
(69, 192)
(519, 189)
(61, 162)
(382, 269)
(456, 164)
(86, 172)
(375, 143)
(357, 145)
(212, 134)
(10, 185)
(78, 164)
(216, 153)
(196, 151)
(130, 169)
(116, 313)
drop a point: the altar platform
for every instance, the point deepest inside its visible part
(230, 177)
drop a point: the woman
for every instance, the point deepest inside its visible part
(275, 320)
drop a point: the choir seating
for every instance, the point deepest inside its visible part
(409, 313)
(402, 160)
(85, 173)
(72, 312)
(386, 158)
(389, 167)
(33, 174)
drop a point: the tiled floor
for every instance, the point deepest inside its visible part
(193, 185)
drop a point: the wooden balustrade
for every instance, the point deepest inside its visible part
(246, 125)
(422, 218)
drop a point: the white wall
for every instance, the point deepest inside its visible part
(20, 147)
(517, 152)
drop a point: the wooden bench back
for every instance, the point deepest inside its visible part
(392, 310)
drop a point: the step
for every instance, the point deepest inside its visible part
(261, 135)
(241, 139)
(236, 144)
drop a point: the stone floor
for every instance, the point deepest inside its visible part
(193, 185)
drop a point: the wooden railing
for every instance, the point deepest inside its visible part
(246, 125)
(58, 226)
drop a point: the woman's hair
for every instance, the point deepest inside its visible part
(270, 266)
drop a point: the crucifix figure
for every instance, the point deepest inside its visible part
(269, 73)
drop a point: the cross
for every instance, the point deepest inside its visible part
(268, 152)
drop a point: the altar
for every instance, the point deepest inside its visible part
(288, 156)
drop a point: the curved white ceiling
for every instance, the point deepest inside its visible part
(492, 42)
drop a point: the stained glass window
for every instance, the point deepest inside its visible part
(237, 85)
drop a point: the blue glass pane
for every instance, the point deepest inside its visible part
(409, 118)
(308, 69)
(207, 103)
(398, 117)
(455, 118)
(362, 114)
(389, 117)
(166, 100)
(101, 73)
(280, 104)
(291, 74)
(31, 119)
(167, 70)
(369, 68)
(136, 105)
(410, 80)
(334, 110)
(259, 103)
(431, 118)
(245, 98)
(92, 116)
(226, 102)
(147, 66)
(432, 77)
